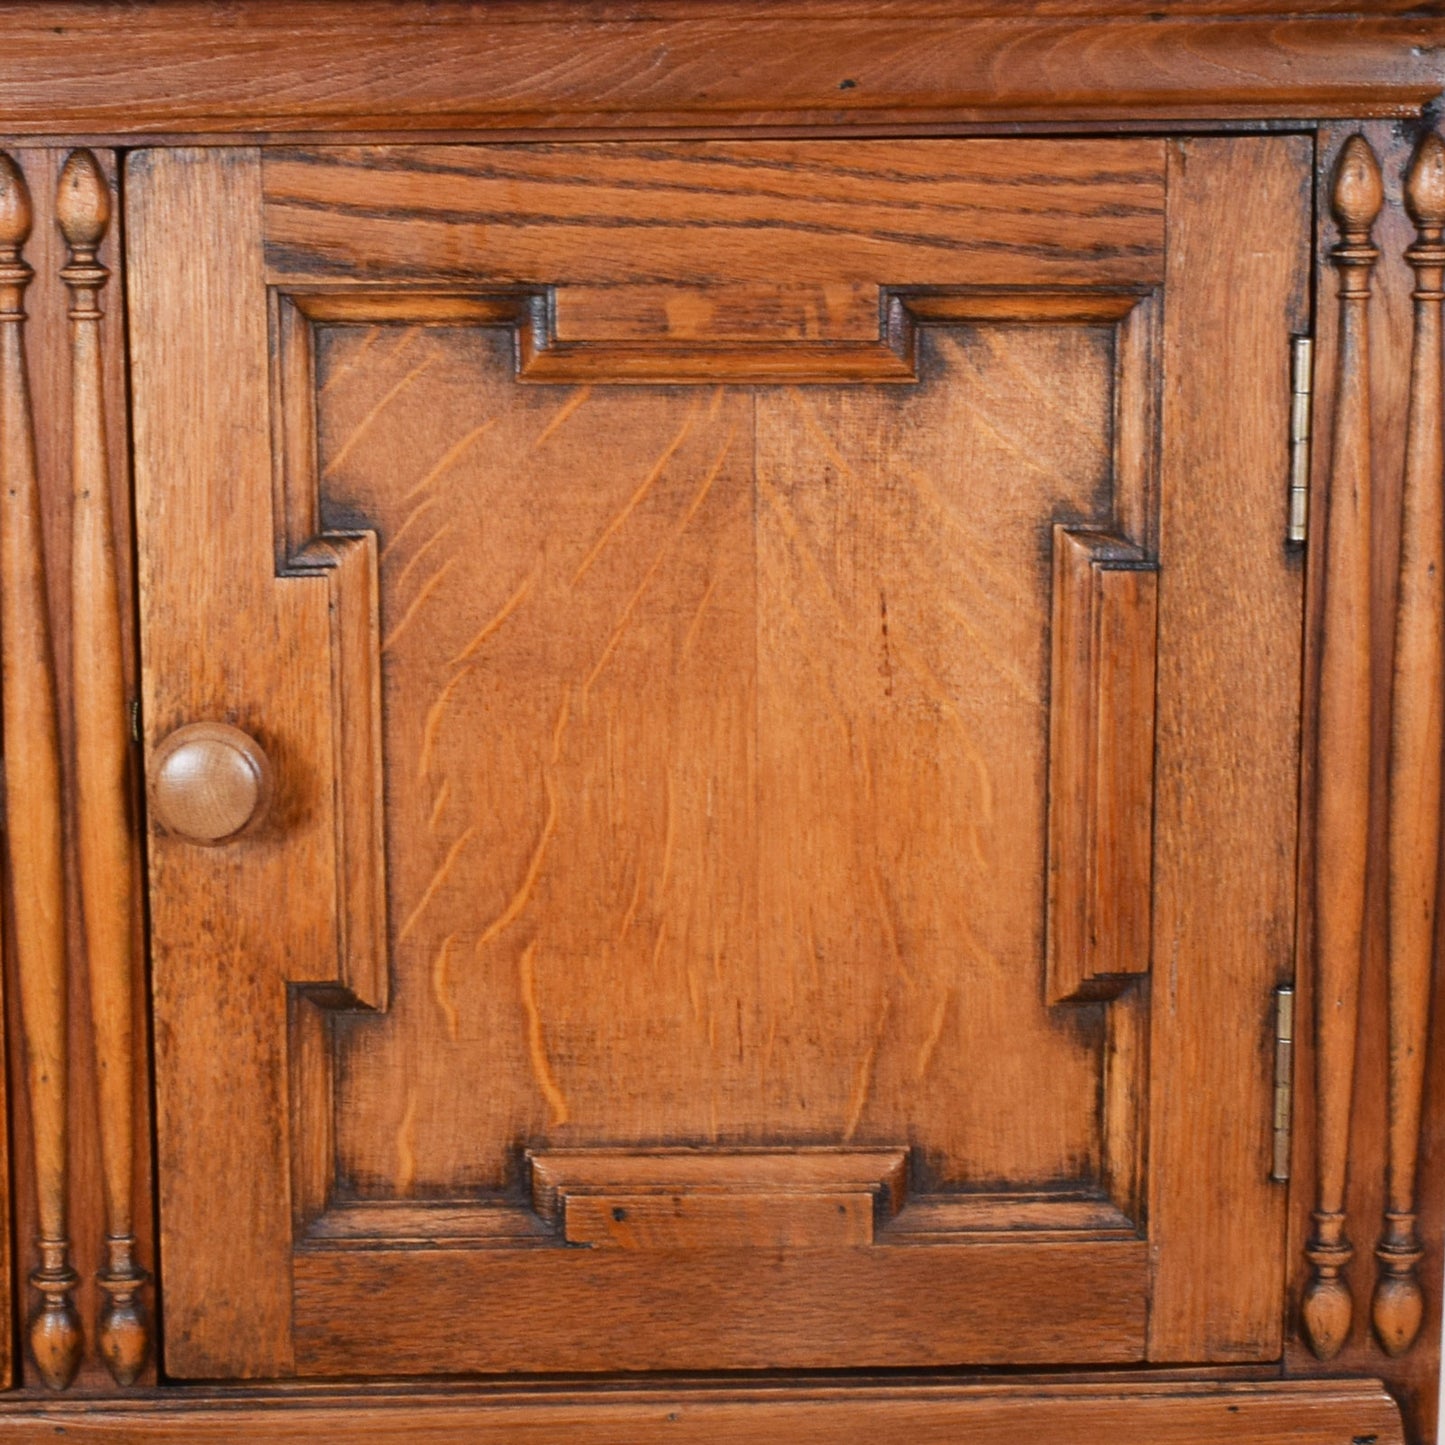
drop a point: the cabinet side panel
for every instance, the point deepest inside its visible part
(1228, 740)
(48, 355)
(1413, 1377)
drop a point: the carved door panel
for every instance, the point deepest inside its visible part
(764, 833)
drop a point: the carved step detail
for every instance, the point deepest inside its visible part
(1343, 797)
(1416, 743)
(32, 786)
(640, 1199)
(102, 764)
(1101, 764)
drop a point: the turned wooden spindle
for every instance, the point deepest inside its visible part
(32, 787)
(1416, 742)
(1343, 796)
(102, 765)
(209, 783)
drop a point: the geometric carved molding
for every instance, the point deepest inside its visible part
(1343, 767)
(1416, 742)
(33, 804)
(105, 832)
(1101, 764)
(691, 1199)
(665, 361)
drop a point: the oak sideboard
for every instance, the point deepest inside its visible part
(722, 721)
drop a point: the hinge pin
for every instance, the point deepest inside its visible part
(1283, 1079)
(1301, 385)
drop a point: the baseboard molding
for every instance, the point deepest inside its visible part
(1323, 1412)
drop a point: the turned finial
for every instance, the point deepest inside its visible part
(82, 202)
(1358, 192)
(15, 212)
(1425, 185)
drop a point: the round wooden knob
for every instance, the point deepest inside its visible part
(209, 782)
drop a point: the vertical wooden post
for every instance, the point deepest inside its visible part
(33, 802)
(1416, 743)
(102, 764)
(1343, 797)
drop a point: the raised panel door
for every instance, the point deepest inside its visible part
(776, 668)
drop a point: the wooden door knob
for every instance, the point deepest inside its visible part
(209, 782)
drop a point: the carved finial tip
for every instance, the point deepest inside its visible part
(1327, 1311)
(1425, 187)
(15, 212)
(1359, 191)
(82, 202)
(125, 1341)
(55, 1343)
(1398, 1312)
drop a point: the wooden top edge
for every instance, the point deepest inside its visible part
(85, 17)
(263, 67)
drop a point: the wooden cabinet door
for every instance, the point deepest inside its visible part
(765, 828)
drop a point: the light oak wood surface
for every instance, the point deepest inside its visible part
(189, 67)
(1073, 1414)
(713, 722)
(106, 832)
(33, 806)
(739, 759)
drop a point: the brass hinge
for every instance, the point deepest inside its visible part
(1283, 1078)
(1301, 387)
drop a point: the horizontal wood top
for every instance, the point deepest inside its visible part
(198, 67)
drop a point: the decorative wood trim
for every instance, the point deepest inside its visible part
(345, 66)
(1101, 764)
(1416, 744)
(542, 358)
(346, 564)
(349, 567)
(926, 1218)
(692, 1198)
(1343, 794)
(33, 803)
(105, 834)
(1169, 1412)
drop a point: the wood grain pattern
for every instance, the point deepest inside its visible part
(188, 68)
(48, 356)
(715, 725)
(1228, 735)
(627, 627)
(1101, 764)
(695, 346)
(827, 64)
(1075, 1412)
(936, 213)
(1343, 797)
(921, 1303)
(681, 1199)
(1417, 742)
(217, 373)
(106, 841)
(1066, 1413)
(210, 782)
(33, 802)
(1414, 1376)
